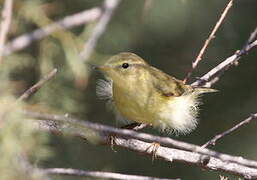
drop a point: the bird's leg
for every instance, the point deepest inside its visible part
(112, 142)
(153, 147)
(135, 126)
(132, 126)
(138, 126)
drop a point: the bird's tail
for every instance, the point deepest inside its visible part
(202, 90)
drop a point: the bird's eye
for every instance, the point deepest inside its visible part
(125, 65)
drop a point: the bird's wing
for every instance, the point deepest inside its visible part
(167, 85)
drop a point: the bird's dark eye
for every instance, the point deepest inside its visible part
(125, 65)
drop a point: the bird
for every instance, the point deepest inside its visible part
(141, 93)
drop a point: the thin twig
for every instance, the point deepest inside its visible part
(208, 40)
(146, 8)
(5, 24)
(165, 141)
(65, 23)
(165, 153)
(252, 37)
(252, 41)
(217, 137)
(36, 86)
(108, 9)
(213, 75)
(98, 174)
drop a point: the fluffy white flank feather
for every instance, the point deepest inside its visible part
(180, 114)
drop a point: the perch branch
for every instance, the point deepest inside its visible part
(109, 7)
(5, 24)
(217, 137)
(213, 75)
(66, 23)
(165, 153)
(192, 158)
(208, 40)
(165, 141)
(36, 86)
(98, 174)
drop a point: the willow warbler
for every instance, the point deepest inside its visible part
(142, 93)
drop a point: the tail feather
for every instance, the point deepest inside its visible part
(202, 90)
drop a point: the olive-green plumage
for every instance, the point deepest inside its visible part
(145, 94)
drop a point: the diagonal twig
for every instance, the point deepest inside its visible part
(98, 174)
(109, 7)
(252, 41)
(213, 75)
(36, 86)
(5, 24)
(217, 137)
(148, 4)
(208, 40)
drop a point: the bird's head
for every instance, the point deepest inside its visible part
(123, 67)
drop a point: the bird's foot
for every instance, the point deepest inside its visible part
(132, 126)
(112, 139)
(153, 148)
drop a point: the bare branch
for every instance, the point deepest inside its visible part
(99, 174)
(109, 7)
(165, 141)
(36, 86)
(252, 37)
(66, 23)
(165, 153)
(211, 36)
(252, 42)
(5, 24)
(217, 137)
(192, 158)
(213, 75)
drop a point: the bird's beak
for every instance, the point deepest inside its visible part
(102, 68)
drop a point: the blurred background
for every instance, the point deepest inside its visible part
(169, 35)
